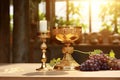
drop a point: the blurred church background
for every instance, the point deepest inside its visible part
(19, 25)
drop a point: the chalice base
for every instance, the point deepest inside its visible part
(67, 63)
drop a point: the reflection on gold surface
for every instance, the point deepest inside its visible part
(67, 34)
(67, 38)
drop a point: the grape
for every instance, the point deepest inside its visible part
(105, 66)
(89, 65)
(114, 64)
(96, 62)
(100, 61)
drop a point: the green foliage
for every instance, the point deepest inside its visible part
(106, 26)
(112, 54)
(11, 17)
(11, 23)
(110, 9)
(73, 11)
(54, 61)
(60, 21)
(41, 1)
(41, 16)
(84, 27)
(97, 51)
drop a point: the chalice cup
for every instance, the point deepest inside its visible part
(67, 35)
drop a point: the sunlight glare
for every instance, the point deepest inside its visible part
(95, 8)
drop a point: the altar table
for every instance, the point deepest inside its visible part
(27, 71)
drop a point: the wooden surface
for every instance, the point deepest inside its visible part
(4, 32)
(27, 72)
(21, 31)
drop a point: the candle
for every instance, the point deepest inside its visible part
(43, 26)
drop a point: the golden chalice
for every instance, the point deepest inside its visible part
(67, 35)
